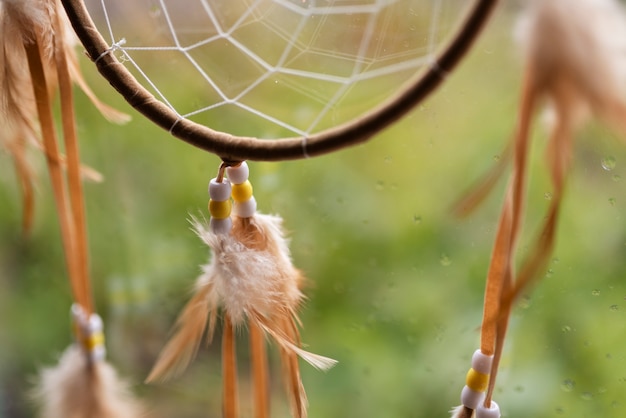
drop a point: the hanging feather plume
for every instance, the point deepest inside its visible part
(83, 384)
(575, 63)
(42, 23)
(252, 280)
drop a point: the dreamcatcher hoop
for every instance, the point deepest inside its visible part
(239, 148)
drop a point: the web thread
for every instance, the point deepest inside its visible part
(271, 68)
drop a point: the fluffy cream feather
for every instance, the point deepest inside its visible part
(76, 389)
(251, 278)
(577, 56)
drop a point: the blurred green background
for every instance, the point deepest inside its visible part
(395, 281)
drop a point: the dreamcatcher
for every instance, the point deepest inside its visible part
(250, 277)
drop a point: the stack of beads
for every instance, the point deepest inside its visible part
(220, 206)
(89, 333)
(476, 383)
(245, 204)
(222, 189)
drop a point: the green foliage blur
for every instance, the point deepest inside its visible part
(395, 281)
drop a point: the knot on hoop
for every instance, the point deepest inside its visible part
(114, 47)
(436, 69)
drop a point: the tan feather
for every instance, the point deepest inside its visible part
(260, 374)
(190, 327)
(230, 402)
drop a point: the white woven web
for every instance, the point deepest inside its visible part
(271, 68)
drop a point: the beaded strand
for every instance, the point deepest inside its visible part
(89, 333)
(231, 182)
(245, 204)
(220, 205)
(476, 382)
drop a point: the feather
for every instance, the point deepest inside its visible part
(230, 404)
(583, 66)
(252, 280)
(76, 388)
(576, 63)
(190, 327)
(462, 412)
(250, 277)
(24, 23)
(260, 376)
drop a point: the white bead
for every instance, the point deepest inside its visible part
(492, 412)
(481, 362)
(238, 174)
(221, 226)
(98, 353)
(245, 209)
(78, 314)
(219, 192)
(470, 398)
(95, 324)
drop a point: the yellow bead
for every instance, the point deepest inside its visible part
(94, 340)
(477, 381)
(242, 192)
(220, 210)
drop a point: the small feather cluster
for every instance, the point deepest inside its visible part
(44, 23)
(75, 388)
(577, 55)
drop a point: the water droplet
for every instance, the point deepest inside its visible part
(417, 219)
(444, 260)
(608, 163)
(568, 385)
(612, 201)
(587, 396)
(388, 159)
(549, 273)
(614, 307)
(524, 302)
(616, 177)
(566, 328)
(547, 196)
(559, 411)
(497, 157)
(380, 185)
(595, 292)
